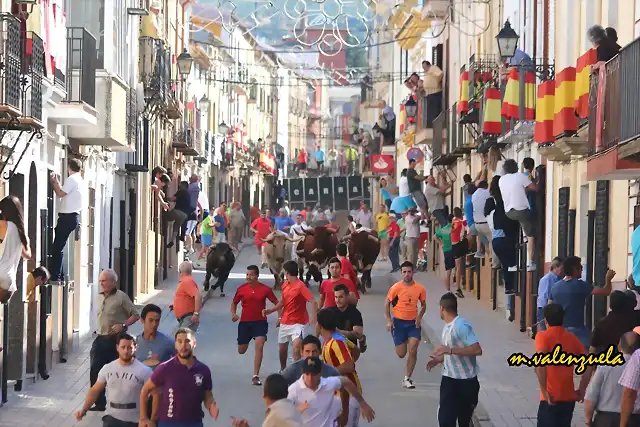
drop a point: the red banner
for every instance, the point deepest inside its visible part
(382, 163)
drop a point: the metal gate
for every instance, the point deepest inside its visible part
(340, 193)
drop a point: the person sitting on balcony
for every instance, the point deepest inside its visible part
(514, 187)
(435, 198)
(179, 213)
(74, 195)
(320, 159)
(606, 48)
(14, 245)
(404, 201)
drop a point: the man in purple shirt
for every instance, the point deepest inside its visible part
(185, 384)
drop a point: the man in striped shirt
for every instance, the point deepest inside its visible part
(460, 347)
(337, 353)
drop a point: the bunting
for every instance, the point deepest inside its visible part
(544, 113)
(583, 73)
(565, 120)
(511, 101)
(492, 123)
(463, 103)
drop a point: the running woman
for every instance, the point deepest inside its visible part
(124, 379)
(185, 384)
(327, 297)
(402, 300)
(253, 325)
(295, 296)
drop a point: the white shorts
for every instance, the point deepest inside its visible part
(219, 238)
(288, 333)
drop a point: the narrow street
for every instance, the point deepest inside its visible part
(52, 403)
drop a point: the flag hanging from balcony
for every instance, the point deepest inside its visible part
(512, 97)
(583, 73)
(492, 123)
(402, 118)
(544, 113)
(463, 103)
(565, 121)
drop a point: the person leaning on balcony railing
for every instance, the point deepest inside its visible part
(180, 212)
(606, 47)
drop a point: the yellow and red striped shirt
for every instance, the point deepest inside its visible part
(335, 352)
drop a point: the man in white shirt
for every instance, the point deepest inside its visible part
(74, 195)
(364, 216)
(478, 200)
(514, 186)
(298, 229)
(315, 397)
(412, 235)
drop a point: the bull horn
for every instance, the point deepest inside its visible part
(289, 238)
(373, 238)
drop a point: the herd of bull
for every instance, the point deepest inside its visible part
(314, 249)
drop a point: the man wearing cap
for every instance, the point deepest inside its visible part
(314, 396)
(415, 185)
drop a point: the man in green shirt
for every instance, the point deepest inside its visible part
(444, 237)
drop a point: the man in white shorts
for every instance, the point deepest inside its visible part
(295, 317)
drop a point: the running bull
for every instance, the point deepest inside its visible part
(276, 252)
(364, 247)
(317, 248)
(220, 261)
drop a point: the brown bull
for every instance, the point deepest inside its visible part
(364, 247)
(317, 248)
(277, 254)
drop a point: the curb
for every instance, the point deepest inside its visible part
(480, 417)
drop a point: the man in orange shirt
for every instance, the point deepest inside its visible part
(402, 299)
(557, 390)
(261, 227)
(295, 317)
(187, 301)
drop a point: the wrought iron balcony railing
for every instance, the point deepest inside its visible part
(10, 57)
(137, 136)
(629, 87)
(605, 101)
(80, 80)
(31, 80)
(154, 68)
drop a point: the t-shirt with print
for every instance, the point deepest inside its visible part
(560, 383)
(404, 299)
(458, 334)
(382, 221)
(156, 351)
(327, 286)
(124, 383)
(295, 297)
(572, 296)
(444, 233)
(457, 227)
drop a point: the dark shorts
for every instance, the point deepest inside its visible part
(559, 414)
(403, 330)
(320, 164)
(302, 166)
(449, 261)
(458, 400)
(251, 330)
(460, 249)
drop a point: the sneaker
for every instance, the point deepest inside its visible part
(531, 266)
(256, 380)
(479, 255)
(459, 293)
(513, 268)
(222, 295)
(263, 265)
(408, 383)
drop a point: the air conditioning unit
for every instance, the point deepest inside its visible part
(140, 8)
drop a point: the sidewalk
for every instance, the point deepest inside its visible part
(509, 396)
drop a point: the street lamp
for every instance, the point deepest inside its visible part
(29, 6)
(507, 40)
(185, 61)
(411, 108)
(205, 103)
(244, 171)
(223, 129)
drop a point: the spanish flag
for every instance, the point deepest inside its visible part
(463, 103)
(402, 118)
(492, 123)
(565, 120)
(544, 113)
(583, 71)
(511, 100)
(529, 96)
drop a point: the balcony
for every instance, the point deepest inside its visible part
(430, 105)
(445, 142)
(613, 118)
(10, 56)
(137, 136)
(154, 70)
(184, 141)
(78, 107)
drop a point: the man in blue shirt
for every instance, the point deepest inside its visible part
(635, 252)
(320, 158)
(544, 287)
(283, 222)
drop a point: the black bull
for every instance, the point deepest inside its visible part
(220, 261)
(364, 247)
(317, 248)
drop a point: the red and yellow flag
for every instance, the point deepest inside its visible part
(565, 120)
(463, 103)
(492, 123)
(511, 101)
(583, 72)
(544, 113)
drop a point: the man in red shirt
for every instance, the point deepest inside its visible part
(327, 296)
(394, 243)
(253, 296)
(347, 270)
(295, 317)
(261, 227)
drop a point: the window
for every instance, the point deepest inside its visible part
(92, 232)
(121, 39)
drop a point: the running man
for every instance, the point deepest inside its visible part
(327, 297)
(253, 325)
(348, 317)
(124, 379)
(460, 347)
(295, 317)
(402, 300)
(261, 227)
(348, 272)
(185, 384)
